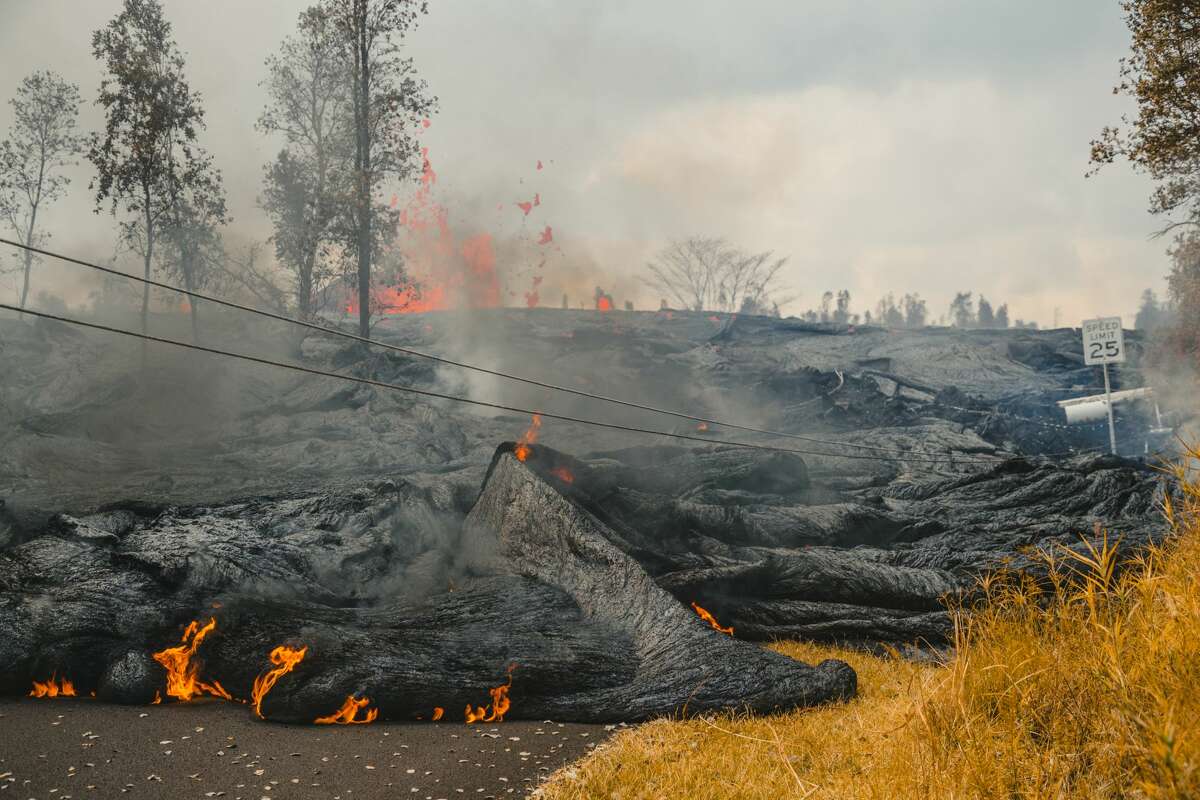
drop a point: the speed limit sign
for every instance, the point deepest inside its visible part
(1103, 341)
(1104, 344)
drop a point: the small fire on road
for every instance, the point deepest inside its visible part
(54, 687)
(183, 674)
(500, 703)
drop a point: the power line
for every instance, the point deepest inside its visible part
(496, 406)
(451, 362)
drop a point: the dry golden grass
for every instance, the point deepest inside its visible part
(1091, 690)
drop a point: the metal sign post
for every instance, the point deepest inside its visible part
(1104, 344)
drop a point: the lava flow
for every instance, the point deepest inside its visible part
(522, 451)
(285, 660)
(183, 681)
(500, 703)
(441, 270)
(563, 474)
(437, 713)
(348, 713)
(53, 688)
(711, 620)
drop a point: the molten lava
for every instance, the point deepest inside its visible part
(183, 674)
(563, 474)
(437, 713)
(348, 713)
(500, 703)
(440, 271)
(53, 688)
(711, 620)
(604, 303)
(285, 660)
(522, 450)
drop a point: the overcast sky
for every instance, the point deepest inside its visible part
(885, 145)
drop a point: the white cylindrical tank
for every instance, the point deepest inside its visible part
(1091, 411)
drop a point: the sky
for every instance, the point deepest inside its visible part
(926, 146)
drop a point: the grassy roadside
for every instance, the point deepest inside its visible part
(1090, 692)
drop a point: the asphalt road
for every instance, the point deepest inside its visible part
(77, 748)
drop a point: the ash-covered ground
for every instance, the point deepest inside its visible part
(399, 539)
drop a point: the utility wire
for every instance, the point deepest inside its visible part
(497, 406)
(451, 362)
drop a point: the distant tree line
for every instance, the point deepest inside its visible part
(911, 311)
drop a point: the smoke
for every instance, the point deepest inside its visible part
(875, 173)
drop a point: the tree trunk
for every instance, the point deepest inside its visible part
(149, 257)
(363, 122)
(189, 284)
(25, 287)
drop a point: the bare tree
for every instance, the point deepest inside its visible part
(962, 310)
(41, 142)
(688, 270)
(707, 273)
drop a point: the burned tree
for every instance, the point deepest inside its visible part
(147, 159)
(707, 273)
(388, 101)
(308, 186)
(41, 142)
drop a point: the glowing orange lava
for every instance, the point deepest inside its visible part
(563, 474)
(285, 660)
(500, 703)
(440, 271)
(348, 713)
(603, 303)
(522, 450)
(183, 674)
(437, 713)
(53, 688)
(711, 620)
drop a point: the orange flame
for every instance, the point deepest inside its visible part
(711, 620)
(53, 687)
(563, 474)
(285, 660)
(437, 713)
(500, 703)
(346, 715)
(183, 681)
(603, 303)
(522, 450)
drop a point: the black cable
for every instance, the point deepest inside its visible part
(485, 404)
(450, 362)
